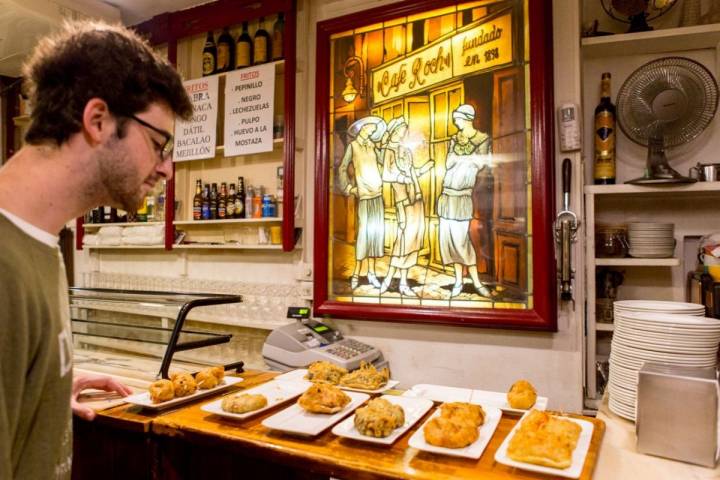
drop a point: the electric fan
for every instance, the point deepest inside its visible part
(666, 103)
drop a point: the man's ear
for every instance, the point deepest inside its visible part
(97, 120)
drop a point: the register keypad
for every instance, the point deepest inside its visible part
(348, 349)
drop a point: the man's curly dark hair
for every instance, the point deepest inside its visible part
(90, 59)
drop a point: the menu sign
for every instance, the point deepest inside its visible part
(195, 139)
(249, 99)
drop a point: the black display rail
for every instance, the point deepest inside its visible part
(113, 299)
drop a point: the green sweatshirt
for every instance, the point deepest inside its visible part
(35, 356)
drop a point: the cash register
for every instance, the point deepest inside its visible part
(299, 344)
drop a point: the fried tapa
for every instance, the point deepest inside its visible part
(161, 391)
(522, 395)
(544, 439)
(455, 432)
(325, 372)
(366, 377)
(243, 402)
(472, 412)
(323, 398)
(379, 418)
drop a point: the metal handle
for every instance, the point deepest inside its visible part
(566, 173)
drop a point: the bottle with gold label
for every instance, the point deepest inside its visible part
(604, 166)
(244, 48)
(261, 44)
(209, 55)
(225, 51)
(277, 40)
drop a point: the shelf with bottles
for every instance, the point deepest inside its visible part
(654, 41)
(183, 34)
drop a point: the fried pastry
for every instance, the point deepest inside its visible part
(366, 377)
(323, 398)
(325, 372)
(161, 391)
(183, 383)
(210, 377)
(544, 439)
(522, 395)
(379, 418)
(243, 402)
(472, 412)
(455, 432)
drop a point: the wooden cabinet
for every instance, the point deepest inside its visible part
(691, 207)
(182, 35)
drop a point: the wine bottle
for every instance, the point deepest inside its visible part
(225, 51)
(604, 166)
(198, 200)
(209, 55)
(277, 39)
(244, 48)
(240, 199)
(261, 44)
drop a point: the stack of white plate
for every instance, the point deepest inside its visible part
(672, 333)
(651, 240)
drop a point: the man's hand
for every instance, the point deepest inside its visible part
(100, 382)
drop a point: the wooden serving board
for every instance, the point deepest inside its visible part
(347, 458)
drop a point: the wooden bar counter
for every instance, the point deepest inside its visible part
(190, 443)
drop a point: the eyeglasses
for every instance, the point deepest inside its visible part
(166, 148)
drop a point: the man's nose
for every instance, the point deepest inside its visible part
(166, 168)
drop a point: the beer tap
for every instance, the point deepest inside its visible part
(566, 227)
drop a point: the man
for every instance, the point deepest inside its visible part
(104, 107)
(361, 152)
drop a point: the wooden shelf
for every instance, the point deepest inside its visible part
(655, 41)
(196, 246)
(605, 327)
(638, 262)
(88, 226)
(627, 189)
(124, 247)
(229, 221)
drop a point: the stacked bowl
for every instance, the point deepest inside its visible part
(672, 333)
(651, 240)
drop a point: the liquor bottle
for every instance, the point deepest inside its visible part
(222, 201)
(160, 205)
(141, 215)
(230, 213)
(257, 203)
(249, 193)
(150, 205)
(225, 51)
(240, 199)
(206, 202)
(277, 38)
(604, 167)
(261, 44)
(198, 201)
(213, 202)
(244, 48)
(209, 55)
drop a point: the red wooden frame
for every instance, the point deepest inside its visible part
(543, 315)
(171, 26)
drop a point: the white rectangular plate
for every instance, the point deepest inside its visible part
(414, 409)
(275, 392)
(578, 456)
(300, 373)
(499, 400)
(143, 399)
(474, 450)
(298, 421)
(439, 393)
